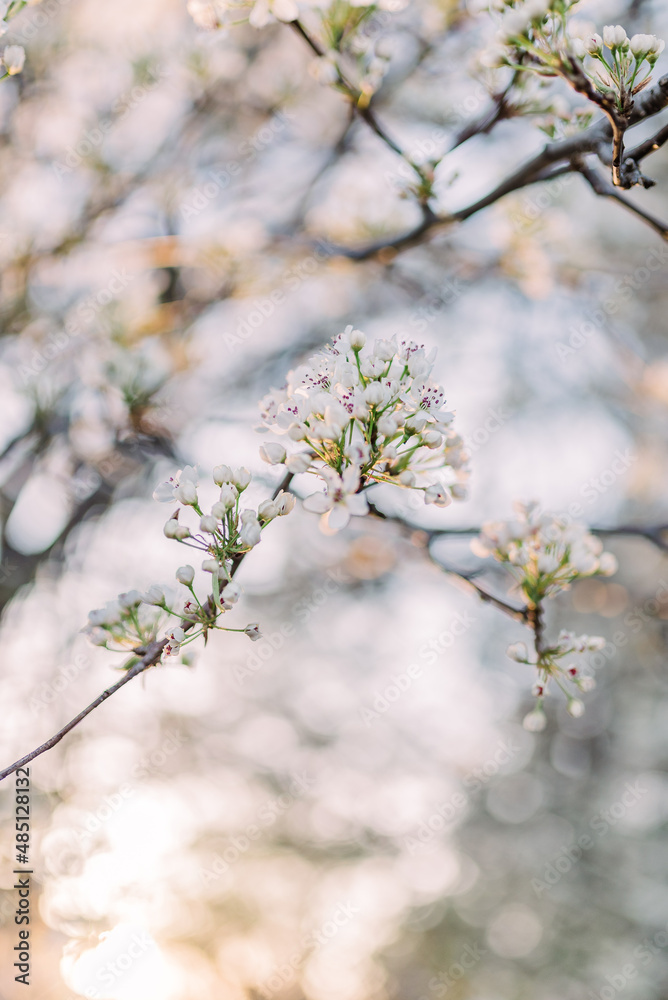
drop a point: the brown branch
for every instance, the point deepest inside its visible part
(362, 110)
(148, 660)
(605, 190)
(553, 160)
(149, 657)
(649, 145)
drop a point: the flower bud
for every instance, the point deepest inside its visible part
(518, 651)
(615, 37)
(130, 600)
(253, 632)
(432, 439)
(14, 58)
(384, 349)
(357, 340)
(210, 566)
(285, 502)
(272, 454)
(154, 595)
(407, 478)
(171, 528)
(186, 492)
(300, 462)
(228, 495)
(185, 575)
(231, 593)
(267, 510)
(97, 636)
(374, 394)
(535, 721)
(575, 707)
(241, 478)
(297, 432)
(222, 474)
(594, 44)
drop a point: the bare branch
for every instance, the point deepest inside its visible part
(605, 190)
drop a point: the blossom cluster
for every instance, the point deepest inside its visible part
(551, 667)
(536, 35)
(543, 552)
(131, 621)
(226, 531)
(223, 535)
(355, 415)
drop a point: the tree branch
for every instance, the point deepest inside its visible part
(605, 190)
(540, 167)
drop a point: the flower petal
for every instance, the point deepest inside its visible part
(318, 503)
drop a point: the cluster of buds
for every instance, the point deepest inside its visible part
(226, 531)
(362, 416)
(566, 676)
(617, 61)
(544, 554)
(535, 35)
(131, 621)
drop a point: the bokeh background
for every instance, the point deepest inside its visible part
(302, 817)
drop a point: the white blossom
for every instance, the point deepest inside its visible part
(154, 595)
(614, 36)
(273, 454)
(265, 11)
(185, 575)
(181, 486)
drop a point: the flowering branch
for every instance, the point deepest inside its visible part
(149, 655)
